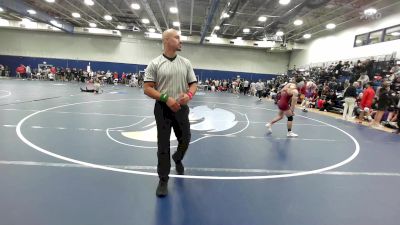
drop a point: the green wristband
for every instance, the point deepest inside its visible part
(164, 97)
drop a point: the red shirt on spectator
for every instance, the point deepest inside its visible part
(21, 69)
(367, 98)
(320, 103)
(53, 70)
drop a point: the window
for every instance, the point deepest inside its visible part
(361, 40)
(375, 37)
(386, 34)
(392, 33)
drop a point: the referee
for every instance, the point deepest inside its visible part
(171, 81)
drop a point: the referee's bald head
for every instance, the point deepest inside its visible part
(171, 40)
(169, 33)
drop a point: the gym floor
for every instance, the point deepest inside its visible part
(69, 157)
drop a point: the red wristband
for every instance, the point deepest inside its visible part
(190, 95)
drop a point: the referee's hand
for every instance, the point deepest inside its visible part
(183, 99)
(173, 105)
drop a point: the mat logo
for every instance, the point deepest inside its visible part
(203, 119)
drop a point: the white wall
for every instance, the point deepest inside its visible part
(339, 46)
(133, 48)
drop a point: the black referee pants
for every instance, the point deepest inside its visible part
(179, 121)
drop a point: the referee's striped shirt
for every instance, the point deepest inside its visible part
(172, 76)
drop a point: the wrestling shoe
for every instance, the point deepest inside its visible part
(291, 134)
(269, 127)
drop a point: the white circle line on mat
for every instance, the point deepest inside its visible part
(4, 96)
(303, 173)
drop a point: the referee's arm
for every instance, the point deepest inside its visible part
(150, 91)
(149, 85)
(193, 87)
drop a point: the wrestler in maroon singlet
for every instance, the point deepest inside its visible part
(286, 105)
(284, 101)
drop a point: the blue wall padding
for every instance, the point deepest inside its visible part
(14, 61)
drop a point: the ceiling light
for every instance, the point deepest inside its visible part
(279, 33)
(395, 33)
(262, 18)
(246, 30)
(307, 36)
(107, 17)
(225, 15)
(92, 25)
(76, 15)
(358, 41)
(298, 22)
(120, 27)
(217, 28)
(284, 2)
(176, 24)
(135, 6)
(50, 1)
(330, 26)
(370, 11)
(1, 9)
(152, 30)
(173, 10)
(31, 11)
(89, 2)
(146, 21)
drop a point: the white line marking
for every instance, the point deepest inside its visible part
(29, 110)
(296, 139)
(141, 116)
(304, 124)
(83, 113)
(100, 114)
(8, 93)
(59, 128)
(227, 170)
(26, 141)
(7, 125)
(207, 135)
(95, 129)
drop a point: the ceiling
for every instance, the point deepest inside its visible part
(195, 16)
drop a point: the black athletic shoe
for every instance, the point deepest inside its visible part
(180, 169)
(162, 189)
